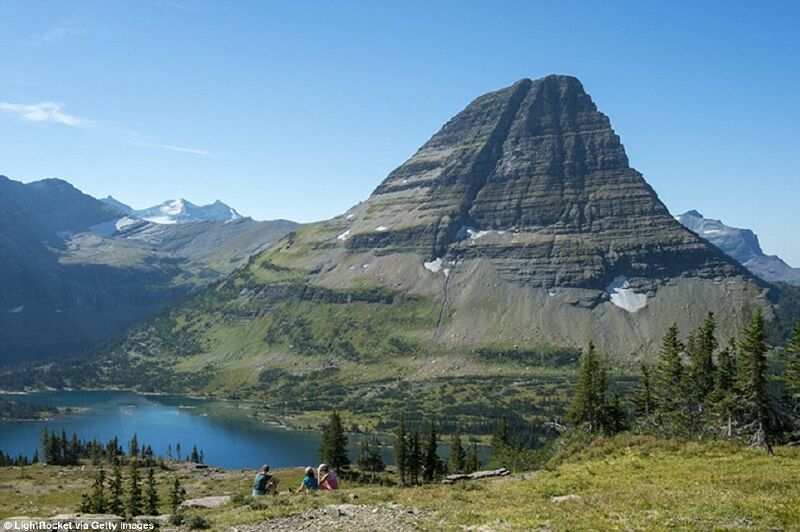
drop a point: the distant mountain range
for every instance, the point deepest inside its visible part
(76, 271)
(742, 245)
(178, 211)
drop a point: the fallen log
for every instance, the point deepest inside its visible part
(477, 475)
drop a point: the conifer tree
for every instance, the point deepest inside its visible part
(723, 397)
(97, 500)
(176, 495)
(791, 375)
(333, 447)
(433, 463)
(472, 462)
(44, 445)
(589, 406)
(133, 448)
(134, 506)
(195, 456)
(703, 357)
(669, 385)
(115, 505)
(369, 456)
(169, 451)
(455, 461)
(178, 451)
(151, 495)
(751, 384)
(414, 457)
(401, 450)
(643, 396)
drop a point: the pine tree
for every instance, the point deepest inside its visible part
(589, 406)
(369, 456)
(669, 383)
(723, 397)
(35, 459)
(643, 396)
(176, 495)
(169, 451)
(414, 457)
(401, 450)
(75, 449)
(151, 495)
(501, 442)
(703, 357)
(751, 384)
(333, 447)
(115, 505)
(455, 461)
(791, 375)
(472, 462)
(195, 456)
(133, 448)
(44, 445)
(134, 491)
(97, 500)
(178, 451)
(432, 462)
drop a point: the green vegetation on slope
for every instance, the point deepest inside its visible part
(626, 482)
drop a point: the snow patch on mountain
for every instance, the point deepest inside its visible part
(623, 296)
(109, 228)
(434, 265)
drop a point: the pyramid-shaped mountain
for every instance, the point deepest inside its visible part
(520, 224)
(533, 178)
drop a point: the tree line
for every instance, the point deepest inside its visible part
(695, 388)
(698, 388)
(416, 455)
(109, 494)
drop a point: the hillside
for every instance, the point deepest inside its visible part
(631, 483)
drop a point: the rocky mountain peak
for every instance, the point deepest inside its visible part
(538, 172)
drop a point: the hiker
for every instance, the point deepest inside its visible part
(264, 482)
(327, 478)
(309, 483)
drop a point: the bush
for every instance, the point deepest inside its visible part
(197, 522)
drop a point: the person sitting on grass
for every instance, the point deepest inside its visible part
(327, 478)
(309, 483)
(264, 482)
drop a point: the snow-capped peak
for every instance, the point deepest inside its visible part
(179, 211)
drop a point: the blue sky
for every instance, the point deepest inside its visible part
(299, 109)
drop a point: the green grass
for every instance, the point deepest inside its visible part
(623, 483)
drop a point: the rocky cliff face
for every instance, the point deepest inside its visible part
(533, 179)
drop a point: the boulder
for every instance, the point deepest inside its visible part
(205, 502)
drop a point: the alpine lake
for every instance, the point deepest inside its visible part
(227, 432)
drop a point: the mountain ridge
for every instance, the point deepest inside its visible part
(88, 270)
(743, 246)
(178, 211)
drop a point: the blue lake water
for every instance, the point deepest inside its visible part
(226, 433)
(228, 437)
